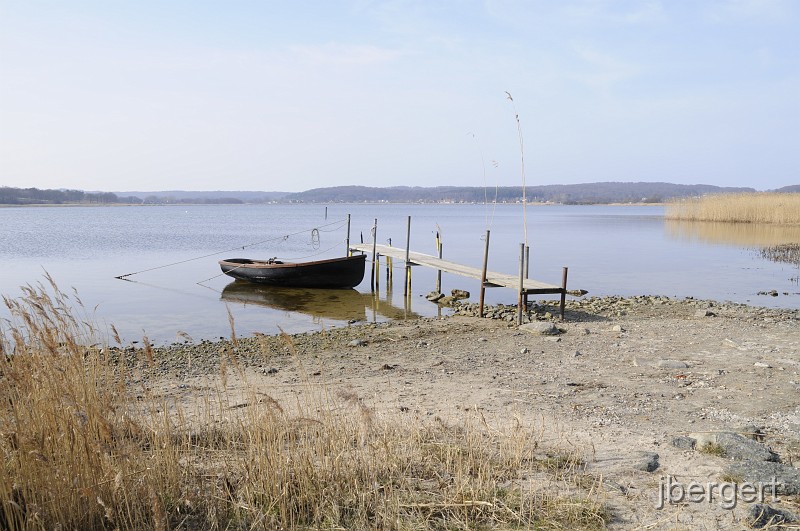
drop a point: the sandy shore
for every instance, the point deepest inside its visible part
(630, 382)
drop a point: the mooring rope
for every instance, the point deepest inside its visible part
(283, 237)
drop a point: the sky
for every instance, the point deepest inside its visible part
(153, 95)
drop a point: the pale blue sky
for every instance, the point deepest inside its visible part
(280, 95)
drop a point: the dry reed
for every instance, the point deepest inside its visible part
(763, 207)
(84, 447)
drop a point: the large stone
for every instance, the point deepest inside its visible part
(735, 446)
(684, 443)
(434, 296)
(645, 461)
(762, 515)
(459, 294)
(786, 479)
(445, 301)
(540, 328)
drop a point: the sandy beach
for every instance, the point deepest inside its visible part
(654, 393)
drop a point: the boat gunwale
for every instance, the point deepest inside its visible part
(261, 264)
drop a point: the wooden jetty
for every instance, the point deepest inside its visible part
(524, 286)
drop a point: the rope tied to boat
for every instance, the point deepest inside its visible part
(281, 238)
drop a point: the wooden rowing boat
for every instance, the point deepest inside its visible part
(344, 272)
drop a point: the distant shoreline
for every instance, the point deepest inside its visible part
(96, 205)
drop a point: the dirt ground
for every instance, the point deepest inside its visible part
(620, 382)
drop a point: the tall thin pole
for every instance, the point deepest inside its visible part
(407, 289)
(563, 291)
(521, 282)
(347, 238)
(483, 274)
(439, 272)
(374, 244)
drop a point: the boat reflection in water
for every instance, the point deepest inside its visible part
(334, 304)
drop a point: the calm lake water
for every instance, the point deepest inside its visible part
(177, 286)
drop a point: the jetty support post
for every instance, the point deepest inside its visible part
(439, 272)
(389, 267)
(527, 272)
(374, 243)
(407, 289)
(521, 294)
(483, 274)
(347, 238)
(563, 291)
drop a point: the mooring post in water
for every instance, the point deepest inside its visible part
(347, 238)
(563, 291)
(439, 271)
(389, 266)
(326, 212)
(483, 274)
(527, 273)
(407, 289)
(374, 243)
(521, 282)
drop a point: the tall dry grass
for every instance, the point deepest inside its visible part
(764, 207)
(85, 444)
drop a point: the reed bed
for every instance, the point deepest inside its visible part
(763, 207)
(787, 253)
(86, 445)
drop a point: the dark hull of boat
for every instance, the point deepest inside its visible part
(345, 272)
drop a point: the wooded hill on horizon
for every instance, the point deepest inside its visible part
(587, 193)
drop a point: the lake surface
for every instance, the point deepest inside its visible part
(175, 287)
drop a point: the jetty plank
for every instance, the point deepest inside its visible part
(493, 279)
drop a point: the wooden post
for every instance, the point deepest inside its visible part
(374, 243)
(563, 291)
(389, 267)
(347, 238)
(521, 282)
(407, 289)
(439, 272)
(326, 212)
(527, 272)
(483, 274)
